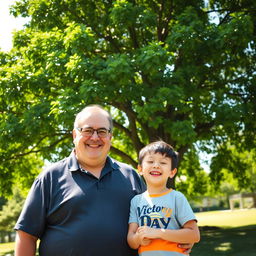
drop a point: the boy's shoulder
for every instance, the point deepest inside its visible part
(177, 194)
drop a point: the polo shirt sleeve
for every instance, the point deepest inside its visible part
(133, 213)
(32, 219)
(184, 212)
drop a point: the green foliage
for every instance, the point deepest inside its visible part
(191, 178)
(166, 69)
(241, 166)
(11, 211)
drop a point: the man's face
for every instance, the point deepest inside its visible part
(92, 151)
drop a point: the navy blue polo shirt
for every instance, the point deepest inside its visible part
(75, 213)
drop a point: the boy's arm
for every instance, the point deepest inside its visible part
(188, 234)
(133, 237)
(135, 240)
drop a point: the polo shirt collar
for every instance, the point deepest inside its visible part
(73, 164)
(108, 167)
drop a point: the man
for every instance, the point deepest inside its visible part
(80, 205)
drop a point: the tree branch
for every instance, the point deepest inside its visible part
(132, 133)
(231, 10)
(134, 37)
(160, 16)
(32, 151)
(122, 128)
(124, 156)
(204, 127)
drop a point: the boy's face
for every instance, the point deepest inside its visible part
(156, 169)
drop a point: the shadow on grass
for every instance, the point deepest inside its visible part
(7, 253)
(216, 241)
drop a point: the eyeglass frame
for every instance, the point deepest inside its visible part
(80, 129)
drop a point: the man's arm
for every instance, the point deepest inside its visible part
(25, 244)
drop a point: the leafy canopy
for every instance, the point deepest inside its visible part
(182, 71)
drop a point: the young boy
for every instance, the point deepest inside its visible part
(160, 218)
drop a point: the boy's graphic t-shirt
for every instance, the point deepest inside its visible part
(169, 210)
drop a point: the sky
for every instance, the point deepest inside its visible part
(8, 24)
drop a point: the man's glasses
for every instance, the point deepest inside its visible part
(89, 131)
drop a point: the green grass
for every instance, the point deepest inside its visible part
(6, 248)
(236, 218)
(218, 241)
(226, 233)
(223, 233)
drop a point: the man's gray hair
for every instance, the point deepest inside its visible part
(80, 114)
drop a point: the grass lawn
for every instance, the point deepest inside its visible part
(223, 233)
(227, 242)
(226, 233)
(236, 218)
(6, 248)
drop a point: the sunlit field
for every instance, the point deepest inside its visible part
(6, 248)
(227, 218)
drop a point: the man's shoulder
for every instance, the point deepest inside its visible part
(55, 168)
(129, 172)
(57, 165)
(120, 165)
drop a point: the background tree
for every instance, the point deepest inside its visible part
(10, 213)
(241, 165)
(182, 71)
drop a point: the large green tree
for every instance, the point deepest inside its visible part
(182, 71)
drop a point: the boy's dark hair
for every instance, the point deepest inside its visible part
(162, 148)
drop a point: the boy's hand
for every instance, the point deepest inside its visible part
(145, 241)
(146, 232)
